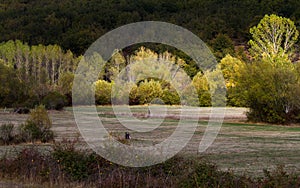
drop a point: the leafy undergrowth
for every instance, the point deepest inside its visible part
(70, 167)
(36, 128)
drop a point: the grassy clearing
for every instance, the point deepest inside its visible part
(242, 147)
(250, 148)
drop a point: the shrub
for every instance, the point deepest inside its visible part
(280, 178)
(149, 90)
(134, 98)
(204, 174)
(270, 92)
(103, 92)
(6, 132)
(39, 116)
(47, 136)
(37, 126)
(78, 165)
(170, 97)
(68, 167)
(54, 101)
(30, 101)
(30, 132)
(29, 164)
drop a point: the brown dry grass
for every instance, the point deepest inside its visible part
(244, 148)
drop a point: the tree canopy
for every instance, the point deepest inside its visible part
(274, 38)
(39, 68)
(76, 24)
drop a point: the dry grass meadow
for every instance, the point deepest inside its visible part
(240, 146)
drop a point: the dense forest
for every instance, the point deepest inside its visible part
(75, 24)
(255, 42)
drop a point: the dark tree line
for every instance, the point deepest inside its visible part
(75, 24)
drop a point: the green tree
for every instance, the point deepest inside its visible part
(211, 88)
(134, 98)
(149, 90)
(84, 80)
(54, 101)
(11, 88)
(231, 68)
(271, 92)
(65, 83)
(273, 38)
(116, 64)
(103, 92)
(38, 68)
(170, 97)
(201, 85)
(222, 45)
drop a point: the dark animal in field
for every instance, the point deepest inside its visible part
(127, 136)
(21, 110)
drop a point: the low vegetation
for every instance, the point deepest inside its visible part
(63, 164)
(36, 128)
(67, 166)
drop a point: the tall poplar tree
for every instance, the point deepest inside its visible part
(273, 38)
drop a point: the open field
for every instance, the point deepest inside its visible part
(239, 146)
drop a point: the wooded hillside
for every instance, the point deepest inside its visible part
(75, 24)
